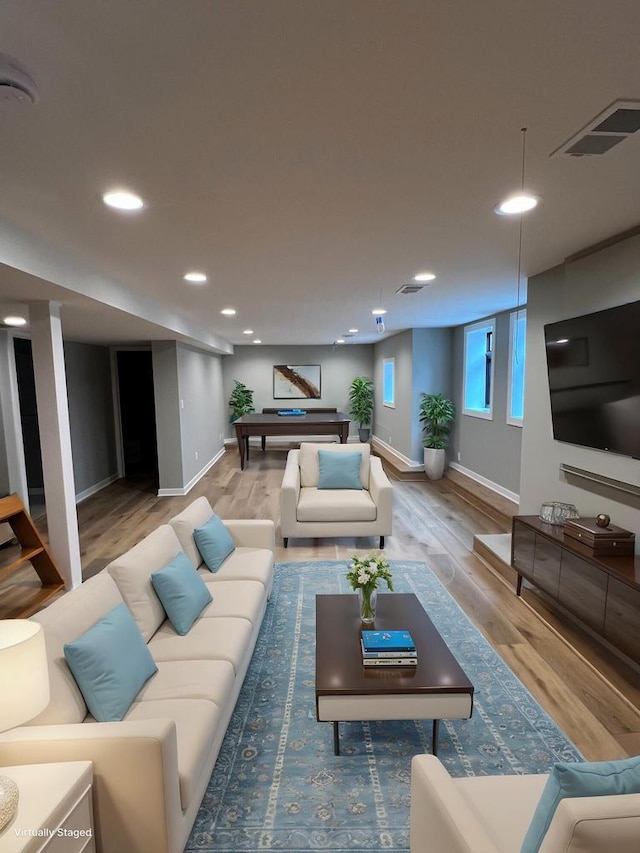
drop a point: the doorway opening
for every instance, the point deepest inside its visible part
(137, 416)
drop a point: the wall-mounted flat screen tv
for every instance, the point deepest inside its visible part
(593, 364)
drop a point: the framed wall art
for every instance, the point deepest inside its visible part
(296, 381)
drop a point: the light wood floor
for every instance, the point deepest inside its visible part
(432, 524)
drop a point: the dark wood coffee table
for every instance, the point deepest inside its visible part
(435, 689)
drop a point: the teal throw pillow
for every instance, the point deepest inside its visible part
(183, 593)
(214, 542)
(110, 662)
(339, 470)
(580, 779)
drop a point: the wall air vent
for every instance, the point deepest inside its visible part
(410, 288)
(620, 120)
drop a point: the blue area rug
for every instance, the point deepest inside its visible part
(277, 783)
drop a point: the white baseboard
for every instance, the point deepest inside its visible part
(394, 455)
(496, 487)
(86, 493)
(178, 493)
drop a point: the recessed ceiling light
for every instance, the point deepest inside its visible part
(14, 321)
(340, 341)
(520, 203)
(228, 312)
(248, 332)
(122, 200)
(379, 311)
(353, 331)
(424, 276)
(195, 277)
(257, 341)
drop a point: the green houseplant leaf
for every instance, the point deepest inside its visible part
(436, 412)
(361, 400)
(240, 401)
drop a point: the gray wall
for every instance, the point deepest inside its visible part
(490, 448)
(91, 418)
(204, 416)
(432, 374)
(167, 402)
(393, 426)
(253, 365)
(602, 280)
(422, 364)
(190, 411)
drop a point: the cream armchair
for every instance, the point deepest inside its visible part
(491, 814)
(306, 510)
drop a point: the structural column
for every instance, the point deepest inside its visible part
(55, 438)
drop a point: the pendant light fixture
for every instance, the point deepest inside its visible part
(517, 204)
(522, 201)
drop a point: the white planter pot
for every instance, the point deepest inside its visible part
(434, 462)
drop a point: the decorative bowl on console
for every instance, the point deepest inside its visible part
(556, 512)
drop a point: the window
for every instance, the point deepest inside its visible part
(389, 382)
(478, 369)
(517, 349)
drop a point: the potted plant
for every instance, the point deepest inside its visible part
(436, 412)
(361, 404)
(240, 401)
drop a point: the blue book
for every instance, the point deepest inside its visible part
(292, 412)
(387, 641)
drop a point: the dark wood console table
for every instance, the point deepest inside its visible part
(316, 410)
(602, 593)
(331, 423)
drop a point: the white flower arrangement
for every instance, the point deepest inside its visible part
(366, 572)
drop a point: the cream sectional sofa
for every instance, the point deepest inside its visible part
(152, 768)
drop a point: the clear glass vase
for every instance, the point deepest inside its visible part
(368, 599)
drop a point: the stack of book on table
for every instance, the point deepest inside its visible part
(388, 648)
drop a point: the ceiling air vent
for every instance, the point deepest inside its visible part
(16, 84)
(410, 288)
(613, 125)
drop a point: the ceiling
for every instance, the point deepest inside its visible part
(310, 156)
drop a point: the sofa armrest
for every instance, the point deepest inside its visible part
(440, 819)
(136, 795)
(289, 494)
(381, 491)
(252, 532)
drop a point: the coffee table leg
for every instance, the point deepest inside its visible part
(336, 738)
(436, 733)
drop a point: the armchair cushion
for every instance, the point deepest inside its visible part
(309, 466)
(339, 470)
(214, 542)
(182, 591)
(110, 662)
(321, 505)
(580, 779)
